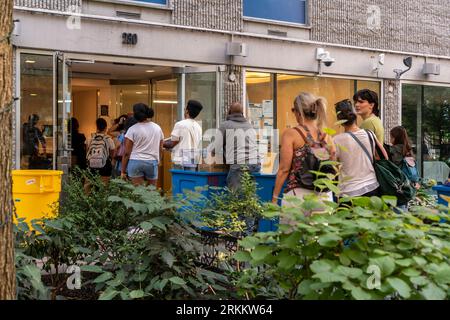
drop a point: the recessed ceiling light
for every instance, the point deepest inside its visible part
(30, 61)
(165, 101)
(149, 71)
(138, 92)
(33, 94)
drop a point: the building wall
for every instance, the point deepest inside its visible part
(392, 106)
(404, 25)
(217, 14)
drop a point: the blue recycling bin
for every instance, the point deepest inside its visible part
(442, 192)
(189, 180)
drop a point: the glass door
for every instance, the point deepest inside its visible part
(63, 111)
(203, 84)
(35, 118)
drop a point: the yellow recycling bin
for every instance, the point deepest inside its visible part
(35, 192)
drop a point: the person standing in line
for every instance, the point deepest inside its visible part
(298, 143)
(186, 136)
(357, 176)
(32, 136)
(78, 144)
(117, 133)
(143, 148)
(100, 152)
(402, 155)
(242, 154)
(366, 105)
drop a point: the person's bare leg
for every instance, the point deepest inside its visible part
(138, 181)
(152, 182)
(105, 180)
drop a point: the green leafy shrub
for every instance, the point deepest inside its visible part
(362, 251)
(233, 211)
(131, 236)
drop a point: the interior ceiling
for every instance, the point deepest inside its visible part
(117, 71)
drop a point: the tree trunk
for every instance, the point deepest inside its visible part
(7, 265)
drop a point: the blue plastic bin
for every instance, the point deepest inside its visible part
(182, 180)
(442, 191)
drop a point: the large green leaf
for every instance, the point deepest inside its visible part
(108, 294)
(304, 287)
(360, 294)
(329, 277)
(91, 268)
(249, 242)
(385, 263)
(433, 292)
(344, 259)
(242, 256)
(177, 280)
(287, 261)
(376, 203)
(260, 252)
(367, 225)
(400, 286)
(168, 258)
(136, 294)
(419, 281)
(420, 261)
(146, 225)
(356, 256)
(329, 240)
(349, 272)
(411, 272)
(404, 262)
(103, 277)
(320, 266)
(292, 240)
(443, 275)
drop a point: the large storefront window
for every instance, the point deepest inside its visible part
(36, 111)
(426, 117)
(270, 98)
(262, 92)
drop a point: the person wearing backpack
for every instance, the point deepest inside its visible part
(357, 176)
(302, 148)
(402, 155)
(100, 151)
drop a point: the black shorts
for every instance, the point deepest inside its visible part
(106, 171)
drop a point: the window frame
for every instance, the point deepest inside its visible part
(140, 3)
(280, 22)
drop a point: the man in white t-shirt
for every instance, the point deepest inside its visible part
(185, 139)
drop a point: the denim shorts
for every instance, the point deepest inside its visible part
(143, 168)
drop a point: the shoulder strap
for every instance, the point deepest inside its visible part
(362, 146)
(302, 134)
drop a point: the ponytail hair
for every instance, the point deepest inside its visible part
(346, 111)
(311, 107)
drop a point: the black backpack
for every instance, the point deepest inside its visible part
(305, 177)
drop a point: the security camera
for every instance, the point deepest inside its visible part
(381, 58)
(328, 61)
(325, 57)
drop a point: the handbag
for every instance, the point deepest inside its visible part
(392, 180)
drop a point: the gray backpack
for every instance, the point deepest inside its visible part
(98, 152)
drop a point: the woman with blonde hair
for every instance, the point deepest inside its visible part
(300, 146)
